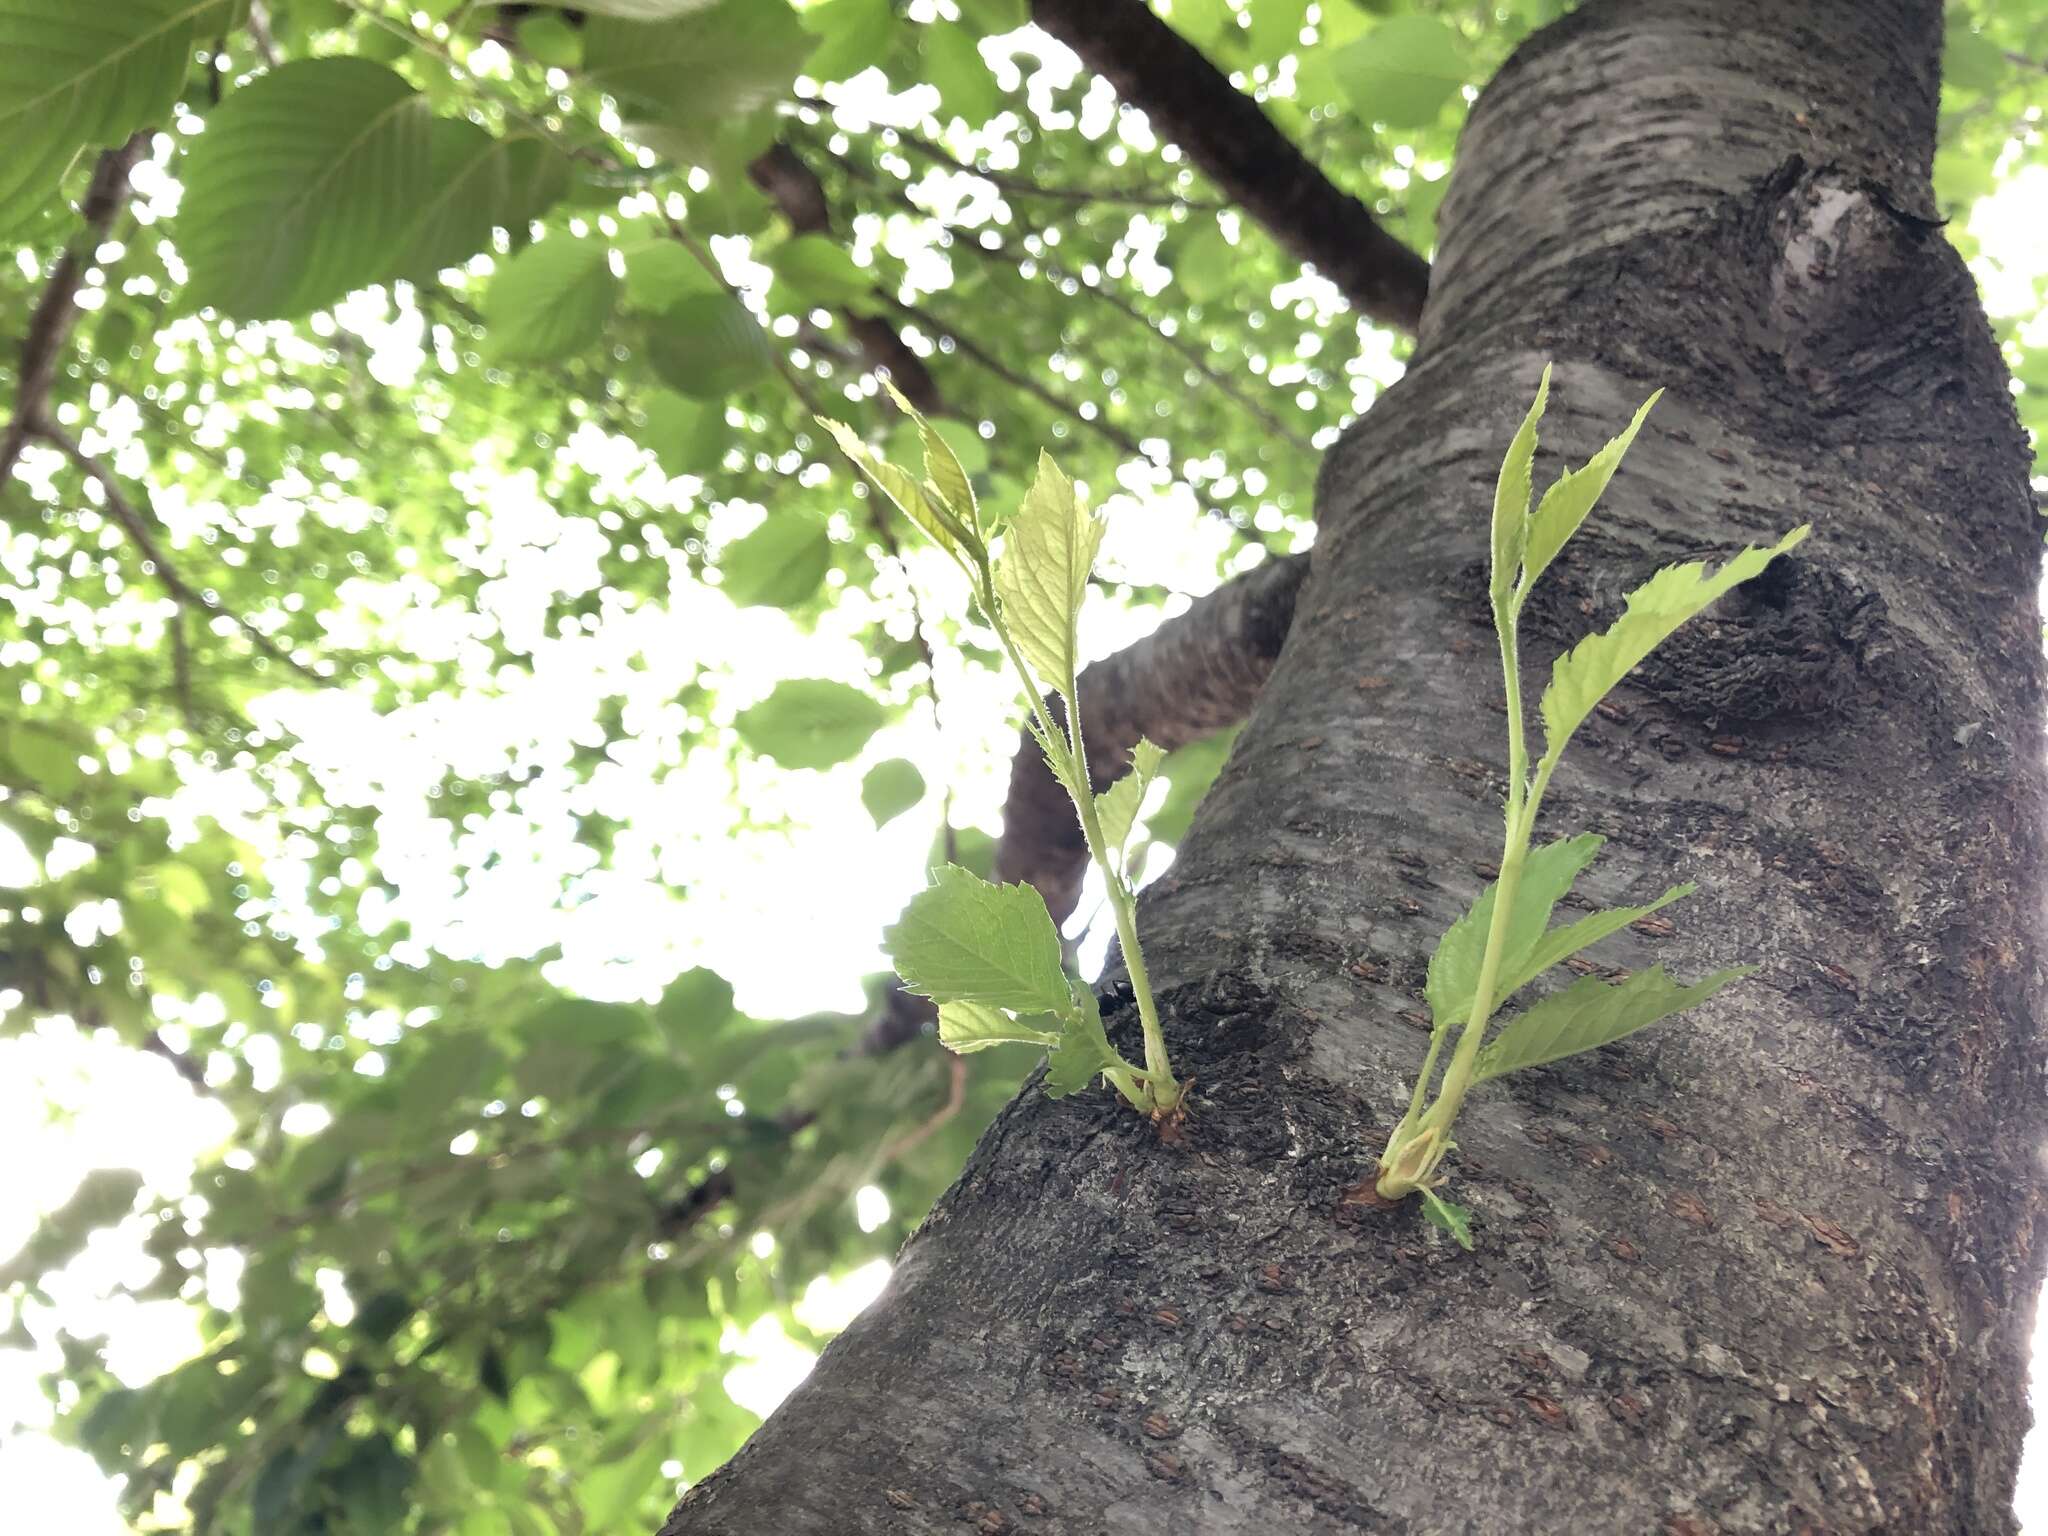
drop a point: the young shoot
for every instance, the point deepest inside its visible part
(1505, 941)
(988, 954)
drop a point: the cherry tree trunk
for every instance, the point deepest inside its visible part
(1769, 1266)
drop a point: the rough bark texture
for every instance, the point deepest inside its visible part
(1195, 675)
(1767, 1267)
(1236, 146)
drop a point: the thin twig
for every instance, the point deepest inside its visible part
(972, 240)
(143, 535)
(938, 154)
(57, 309)
(259, 33)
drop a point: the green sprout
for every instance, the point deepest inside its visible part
(988, 954)
(1505, 942)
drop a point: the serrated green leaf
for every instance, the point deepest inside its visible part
(819, 270)
(479, 183)
(1042, 575)
(810, 722)
(945, 474)
(965, 940)
(902, 489)
(967, 1027)
(1401, 72)
(1057, 757)
(551, 300)
(76, 78)
(1450, 1216)
(1582, 676)
(1547, 874)
(327, 175)
(1560, 944)
(1591, 1013)
(1511, 496)
(780, 564)
(1083, 1052)
(698, 71)
(1116, 808)
(1572, 496)
(891, 788)
(707, 346)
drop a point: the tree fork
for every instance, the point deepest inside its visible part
(1770, 1267)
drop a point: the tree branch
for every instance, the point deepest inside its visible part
(795, 189)
(57, 310)
(1193, 676)
(1237, 147)
(142, 533)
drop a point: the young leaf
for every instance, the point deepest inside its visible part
(551, 300)
(891, 788)
(810, 722)
(965, 1027)
(964, 940)
(1560, 944)
(1449, 1215)
(1454, 969)
(943, 471)
(901, 487)
(779, 564)
(1566, 503)
(1083, 1051)
(1117, 806)
(1511, 496)
(1057, 757)
(1583, 675)
(1591, 1013)
(1043, 573)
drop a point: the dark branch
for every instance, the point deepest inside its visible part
(57, 309)
(1236, 146)
(1193, 676)
(795, 189)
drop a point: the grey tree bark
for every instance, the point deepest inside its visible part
(1768, 1267)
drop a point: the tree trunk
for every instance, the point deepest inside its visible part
(1767, 1267)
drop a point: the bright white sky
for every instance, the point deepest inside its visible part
(69, 1103)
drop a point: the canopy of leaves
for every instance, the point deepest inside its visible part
(450, 559)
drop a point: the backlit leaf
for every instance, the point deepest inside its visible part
(964, 940)
(1511, 496)
(1572, 496)
(810, 722)
(891, 788)
(1591, 1013)
(1582, 676)
(78, 77)
(1547, 874)
(1042, 575)
(550, 300)
(966, 1027)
